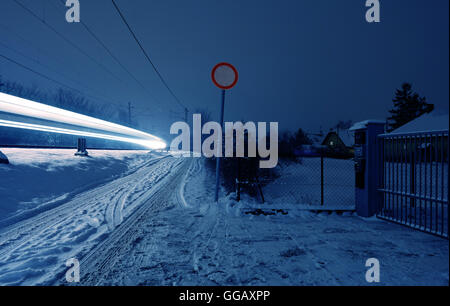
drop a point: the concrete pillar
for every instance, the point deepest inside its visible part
(367, 167)
(82, 148)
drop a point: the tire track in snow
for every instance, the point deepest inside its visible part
(10, 233)
(140, 188)
(99, 261)
(30, 238)
(26, 231)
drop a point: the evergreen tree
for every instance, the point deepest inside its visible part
(408, 105)
(301, 138)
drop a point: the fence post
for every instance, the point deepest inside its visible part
(322, 201)
(238, 181)
(412, 177)
(81, 147)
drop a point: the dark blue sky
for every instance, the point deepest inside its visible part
(304, 63)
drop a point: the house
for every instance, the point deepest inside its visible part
(339, 144)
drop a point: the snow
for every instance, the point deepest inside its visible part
(157, 224)
(347, 137)
(426, 122)
(36, 178)
(204, 243)
(363, 124)
(32, 249)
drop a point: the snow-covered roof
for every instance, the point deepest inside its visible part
(426, 122)
(347, 137)
(363, 124)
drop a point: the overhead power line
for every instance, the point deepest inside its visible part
(109, 51)
(147, 56)
(115, 58)
(66, 39)
(50, 79)
(38, 62)
(52, 70)
(37, 73)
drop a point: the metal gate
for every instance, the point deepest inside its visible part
(414, 180)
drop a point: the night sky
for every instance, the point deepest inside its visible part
(303, 63)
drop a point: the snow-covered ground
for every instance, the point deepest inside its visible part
(36, 179)
(36, 242)
(157, 224)
(198, 242)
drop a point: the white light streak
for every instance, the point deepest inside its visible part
(151, 144)
(23, 107)
(28, 108)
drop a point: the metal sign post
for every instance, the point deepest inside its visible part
(218, 158)
(224, 76)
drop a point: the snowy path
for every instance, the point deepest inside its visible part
(196, 242)
(103, 259)
(34, 251)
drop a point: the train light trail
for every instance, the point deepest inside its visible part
(151, 144)
(15, 105)
(23, 107)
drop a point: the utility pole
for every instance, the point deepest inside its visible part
(129, 113)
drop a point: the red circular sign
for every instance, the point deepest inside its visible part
(225, 76)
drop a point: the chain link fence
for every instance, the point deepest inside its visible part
(314, 183)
